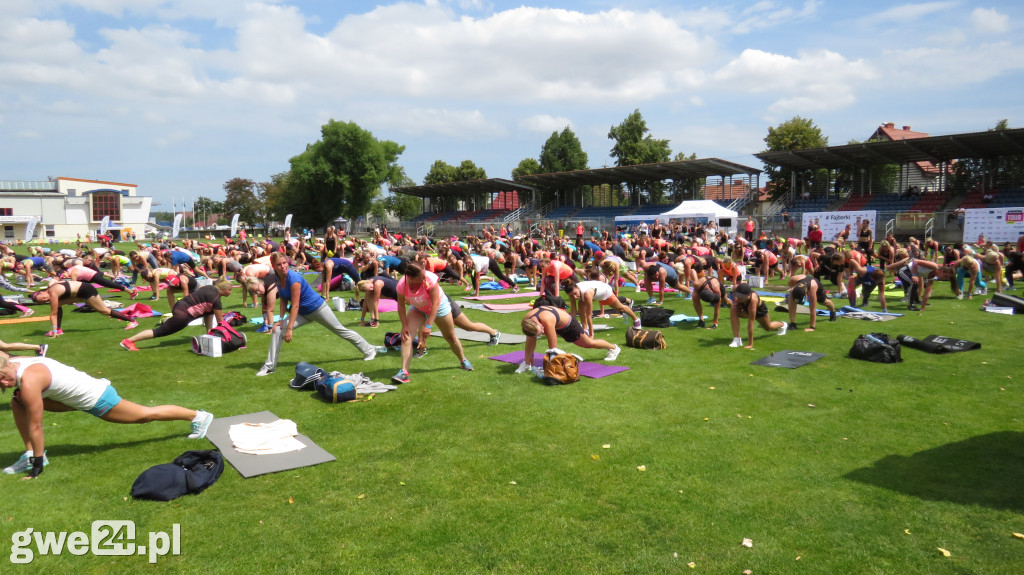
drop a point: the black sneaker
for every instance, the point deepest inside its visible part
(913, 307)
(494, 338)
(700, 323)
(831, 315)
(713, 326)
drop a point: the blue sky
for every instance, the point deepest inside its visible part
(179, 96)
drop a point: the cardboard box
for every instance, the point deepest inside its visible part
(208, 345)
(755, 281)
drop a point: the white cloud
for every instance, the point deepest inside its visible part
(937, 67)
(989, 21)
(908, 12)
(457, 124)
(544, 123)
(820, 80)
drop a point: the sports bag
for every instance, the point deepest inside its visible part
(653, 316)
(230, 338)
(191, 472)
(336, 389)
(876, 347)
(393, 341)
(561, 368)
(234, 319)
(645, 338)
(307, 376)
(550, 301)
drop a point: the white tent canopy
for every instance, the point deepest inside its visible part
(723, 217)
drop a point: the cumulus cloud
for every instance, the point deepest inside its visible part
(935, 67)
(819, 80)
(989, 21)
(457, 124)
(544, 123)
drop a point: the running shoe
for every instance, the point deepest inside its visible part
(700, 323)
(636, 323)
(153, 298)
(263, 329)
(54, 333)
(42, 350)
(613, 353)
(913, 307)
(466, 365)
(24, 463)
(782, 330)
(371, 355)
(132, 325)
(401, 377)
(419, 353)
(515, 289)
(713, 326)
(129, 345)
(265, 370)
(736, 342)
(831, 315)
(494, 338)
(200, 424)
(134, 294)
(28, 312)
(652, 301)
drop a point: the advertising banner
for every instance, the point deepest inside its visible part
(1000, 225)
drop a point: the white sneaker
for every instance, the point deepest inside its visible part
(24, 464)
(736, 342)
(265, 370)
(200, 424)
(371, 355)
(523, 367)
(612, 354)
(782, 330)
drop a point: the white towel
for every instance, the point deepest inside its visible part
(265, 438)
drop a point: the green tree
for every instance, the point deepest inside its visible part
(442, 172)
(562, 152)
(340, 174)
(206, 210)
(240, 198)
(794, 134)
(527, 167)
(634, 146)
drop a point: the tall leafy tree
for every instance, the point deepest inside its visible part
(240, 198)
(205, 209)
(527, 167)
(634, 145)
(442, 172)
(562, 152)
(794, 134)
(339, 174)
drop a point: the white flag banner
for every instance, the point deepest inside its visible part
(287, 221)
(104, 224)
(30, 228)
(234, 225)
(177, 225)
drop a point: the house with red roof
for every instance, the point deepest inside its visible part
(924, 175)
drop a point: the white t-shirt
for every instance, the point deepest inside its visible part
(480, 263)
(602, 291)
(75, 389)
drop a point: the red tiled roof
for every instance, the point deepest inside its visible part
(893, 134)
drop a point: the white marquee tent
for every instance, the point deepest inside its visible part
(724, 218)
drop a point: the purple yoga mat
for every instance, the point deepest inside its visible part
(504, 296)
(587, 369)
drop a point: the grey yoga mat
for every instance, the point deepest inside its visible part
(252, 465)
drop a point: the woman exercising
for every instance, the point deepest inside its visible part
(202, 303)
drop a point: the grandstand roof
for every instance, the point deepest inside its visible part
(990, 144)
(465, 188)
(683, 169)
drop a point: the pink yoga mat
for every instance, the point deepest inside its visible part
(387, 305)
(587, 369)
(504, 296)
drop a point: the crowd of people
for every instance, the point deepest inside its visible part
(592, 269)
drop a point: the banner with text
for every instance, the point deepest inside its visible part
(998, 224)
(832, 223)
(234, 225)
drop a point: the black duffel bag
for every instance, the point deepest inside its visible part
(877, 347)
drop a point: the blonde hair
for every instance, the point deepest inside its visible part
(223, 284)
(362, 286)
(250, 283)
(530, 326)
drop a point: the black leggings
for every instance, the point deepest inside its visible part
(113, 313)
(102, 280)
(8, 304)
(180, 318)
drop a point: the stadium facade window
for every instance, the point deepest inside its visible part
(106, 204)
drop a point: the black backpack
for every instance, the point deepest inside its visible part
(191, 472)
(549, 301)
(877, 347)
(234, 319)
(653, 316)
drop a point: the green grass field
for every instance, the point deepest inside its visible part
(840, 466)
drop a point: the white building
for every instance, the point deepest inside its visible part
(64, 208)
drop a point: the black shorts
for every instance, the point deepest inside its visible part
(456, 308)
(762, 310)
(86, 291)
(710, 296)
(572, 332)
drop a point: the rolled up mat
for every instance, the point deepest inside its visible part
(1007, 300)
(938, 344)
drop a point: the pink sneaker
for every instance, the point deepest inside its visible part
(129, 345)
(54, 333)
(132, 325)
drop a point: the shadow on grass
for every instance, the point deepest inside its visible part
(984, 470)
(63, 449)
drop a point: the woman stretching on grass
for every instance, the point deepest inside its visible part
(43, 384)
(375, 288)
(64, 292)
(202, 303)
(746, 304)
(427, 306)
